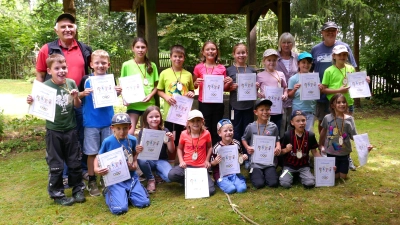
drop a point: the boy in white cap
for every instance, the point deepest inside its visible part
(117, 195)
(194, 149)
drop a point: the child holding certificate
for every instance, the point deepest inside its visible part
(335, 80)
(298, 143)
(96, 121)
(152, 120)
(209, 65)
(337, 129)
(118, 195)
(147, 70)
(273, 78)
(242, 113)
(175, 81)
(62, 144)
(194, 149)
(233, 182)
(306, 106)
(262, 174)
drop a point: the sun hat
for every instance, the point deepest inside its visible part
(223, 122)
(121, 118)
(194, 114)
(304, 55)
(270, 52)
(339, 49)
(328, 25)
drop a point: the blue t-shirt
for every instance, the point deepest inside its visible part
(111, 143)
(94, 118)
(322, 59)
(297, 104)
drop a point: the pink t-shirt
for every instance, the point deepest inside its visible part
(201, 70)
(271, 79)
(189, 147)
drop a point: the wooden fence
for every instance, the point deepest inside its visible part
(388, 86)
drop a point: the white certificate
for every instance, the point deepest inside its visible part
(152, 142)
(362, 142)
(104, 93)
(229, 160)
(132, 88)
(309, 89)
(117, 166)
(213, 89)
(274, 94)
(247, 89)
(324, 172)
(359, 87)
(264, 147)
(178, 113)
(196, 183)
(44, 101)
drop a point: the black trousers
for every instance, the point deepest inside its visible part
(213, 113)
(63, 146)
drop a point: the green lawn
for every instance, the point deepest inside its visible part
(19, 88)
(369, 196)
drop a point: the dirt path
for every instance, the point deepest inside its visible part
(13, 105)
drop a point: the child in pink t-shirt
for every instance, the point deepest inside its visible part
(210, 65)
(194, 149)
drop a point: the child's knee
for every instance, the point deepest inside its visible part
(285, 183)
(118, 210)
(241, 188)
(141, 203)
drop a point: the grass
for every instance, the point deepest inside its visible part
(19, 88)
(370, 196)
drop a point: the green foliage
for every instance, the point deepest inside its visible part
(2, 123)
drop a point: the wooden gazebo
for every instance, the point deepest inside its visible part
(146, 13)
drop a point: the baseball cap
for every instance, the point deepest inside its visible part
(194, 114)
(269, 52)
(223, 122)
(66, 16)
(339, 49)
(262, 101)
(304, 55)
(297, 113)
(121, 118)
(328, 25)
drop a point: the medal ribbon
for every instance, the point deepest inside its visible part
(123, 146)
(207, 69)
(297, 142)
(237, 68)
(180, 76)
(258, 129)
(340, 132)
(145, 71)
(66, 84)
(277, 78)
(197, 144)
(345, 72)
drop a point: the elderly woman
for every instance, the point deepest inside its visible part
(287, 63)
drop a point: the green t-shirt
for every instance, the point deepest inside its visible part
(131, 68)
(64, 118)
(333, 79)
(168, 81)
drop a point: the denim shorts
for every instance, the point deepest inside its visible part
(93, 139)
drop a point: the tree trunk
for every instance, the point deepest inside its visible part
(69, 7)
(357, 102)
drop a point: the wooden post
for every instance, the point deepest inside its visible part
(251, 32)
(69, 7)
(140, 22)
(151, 35)
(283, 16)
(357, 101)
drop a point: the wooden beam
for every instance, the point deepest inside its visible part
(140, 22)
(136, 4)
(283, 13)
(256, 5)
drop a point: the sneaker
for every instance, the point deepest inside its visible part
(102, 182)
(351, 165)
(93, 189)
(65, 183)
(158, 179)
(104, 192)
(79, 197)
(65, 201)
(142, 178)
(151, 186)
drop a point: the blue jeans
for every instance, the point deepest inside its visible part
(161, 166)
(309, 121)
(232, 183)
(241, 119)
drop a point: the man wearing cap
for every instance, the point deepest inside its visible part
(76, 53)
(322, 59)
(77, 56)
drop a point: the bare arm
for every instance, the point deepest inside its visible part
(40, 76)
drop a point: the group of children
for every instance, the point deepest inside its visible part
(196, 144)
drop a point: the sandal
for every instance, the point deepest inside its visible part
(151, 186)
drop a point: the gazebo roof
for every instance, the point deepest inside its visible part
(197, 7)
